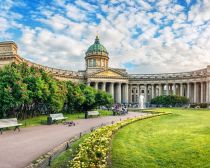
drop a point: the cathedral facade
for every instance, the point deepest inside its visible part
(124, 87)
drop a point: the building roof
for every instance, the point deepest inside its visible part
(97, 48)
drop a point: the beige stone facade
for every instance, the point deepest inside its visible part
(124, 87)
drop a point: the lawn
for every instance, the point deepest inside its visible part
(38, 120)
(179, 140)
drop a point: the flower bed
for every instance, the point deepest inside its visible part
(93, 152)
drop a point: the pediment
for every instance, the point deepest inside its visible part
(108, 74)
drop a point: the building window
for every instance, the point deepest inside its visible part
(91, 63)
(102, 62)
(98, 63)
(94, 63)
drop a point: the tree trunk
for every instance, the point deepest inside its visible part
(86, 114)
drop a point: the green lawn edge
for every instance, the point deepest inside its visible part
(186, 144)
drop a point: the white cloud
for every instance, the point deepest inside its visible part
(169, 40)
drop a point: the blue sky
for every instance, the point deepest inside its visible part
(144, 36)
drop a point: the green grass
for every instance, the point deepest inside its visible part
(37, 120)
(179, 140)
(62, 160)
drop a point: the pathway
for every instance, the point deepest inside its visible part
(18, 149)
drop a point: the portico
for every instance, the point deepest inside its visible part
(116, 85)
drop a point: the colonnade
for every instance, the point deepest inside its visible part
(197, 92)
(118, 90)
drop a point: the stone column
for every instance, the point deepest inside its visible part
(174, 89)
(153, 90)
(207, 91)
(96, 85)
(160, 89)
(146, 93)
(104, 86)
(195, 93)
(188, 90)
(155, 87)
(112, 89)
(88, 83)
(118, 96)
(201, 92)
(138, 91)
(181, 90)
(167, 89)
(130, 92)
(126, 93)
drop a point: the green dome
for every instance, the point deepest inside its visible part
(97, 48)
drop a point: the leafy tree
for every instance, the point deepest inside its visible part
(104, 99)
(170, 100)
(89, 94)
(13, 92)
(75, 97)
(28, 91)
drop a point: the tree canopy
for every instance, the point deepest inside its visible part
(172, 100)
(28, 91)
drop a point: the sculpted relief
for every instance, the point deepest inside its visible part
(4, 49)
(108, 73)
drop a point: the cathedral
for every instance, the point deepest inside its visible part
(124, 87)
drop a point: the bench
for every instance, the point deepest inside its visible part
(10, 122)
(57, 117)
(93, 113)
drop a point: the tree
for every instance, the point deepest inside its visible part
(104, 99)
(13, 92)
(75, 97)
(29, 91)
(89, 94)
(172, 100)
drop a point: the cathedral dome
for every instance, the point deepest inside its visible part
(97, 49)
(96, 56)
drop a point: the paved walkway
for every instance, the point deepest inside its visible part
(18, 149)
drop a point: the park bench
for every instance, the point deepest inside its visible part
(57, 117)
(93, 113)
(10, 122)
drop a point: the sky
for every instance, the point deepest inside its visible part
(143, 36)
